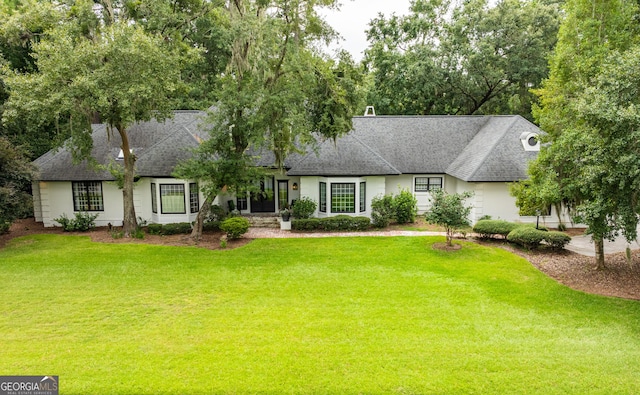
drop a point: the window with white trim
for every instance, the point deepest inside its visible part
(426, 184)
(343, 197)
(323, 198)
(154, 199)
(363, 197)
(87, 196)
(172, 199)
(194, 197)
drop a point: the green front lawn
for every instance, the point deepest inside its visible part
(330, 316)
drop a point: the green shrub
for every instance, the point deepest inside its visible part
(211, 226)
(342, 223)
(406, 207)
(4, 227)
(557, 240)
(235, 227)
(562, 227)
(526, 236)
(81, 223)
(382, 211)
(489, 228)
(304, 208)
(154, 229)
(176, 229)
(216, 213)
(305, 224)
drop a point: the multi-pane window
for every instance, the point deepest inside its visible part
(363, 197)
(87, 196)
(241, 203)
(426, 184)
(154, 199)
(172, 198)
(283, 194)
(323, 197)
(343, 198)
(194, 197)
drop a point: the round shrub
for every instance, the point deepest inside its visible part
(382, 211)
(235, 227)
(488, 228)
(304, 208)
(526, 236)
(406, 206)
(556, 240)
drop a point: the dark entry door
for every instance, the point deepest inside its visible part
(264, 201)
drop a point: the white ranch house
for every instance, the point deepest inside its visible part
(382, 154)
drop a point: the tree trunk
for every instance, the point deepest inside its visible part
(599, 246)
(196, 233)
(129, 222)
(449, 237)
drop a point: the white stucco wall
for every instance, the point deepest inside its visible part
(56, 199)
(310, 187)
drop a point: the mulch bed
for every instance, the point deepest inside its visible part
(619, 279)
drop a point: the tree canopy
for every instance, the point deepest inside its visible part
(461, 58)
(589, 157)
(112, 68)
(277, 94)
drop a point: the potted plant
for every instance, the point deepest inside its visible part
(285, 213)
(285, 222)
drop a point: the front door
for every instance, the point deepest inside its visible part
(264, 201)
(283, 194)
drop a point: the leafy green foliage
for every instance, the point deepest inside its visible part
(449, 211)
(557, 240)
(81, 223)
(489, 228)
(526, 236)
(304, 208)
(382, 211)
(434, 60)
(406, 207)
(343, 223)
(235, 227)
(15, 178)
(589, 111)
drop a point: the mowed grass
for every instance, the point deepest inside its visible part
(361, 315)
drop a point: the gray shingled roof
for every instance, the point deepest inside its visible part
(471, 148)
(159, 146)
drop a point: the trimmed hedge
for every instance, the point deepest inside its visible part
(556, 240)
(235, 227)
(337, 223)
(169, 229)
(488, 228)
(526, 236)
(180, 228)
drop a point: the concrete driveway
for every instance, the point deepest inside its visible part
(584, 246)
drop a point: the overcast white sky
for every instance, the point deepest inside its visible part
(353, 19)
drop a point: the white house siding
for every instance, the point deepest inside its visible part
(142, 194)
(37, 201)
(493, 199)
(310, 188)
(56, 199)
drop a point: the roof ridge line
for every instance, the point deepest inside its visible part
(487, 152)
(376, 154)
(169, 135)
